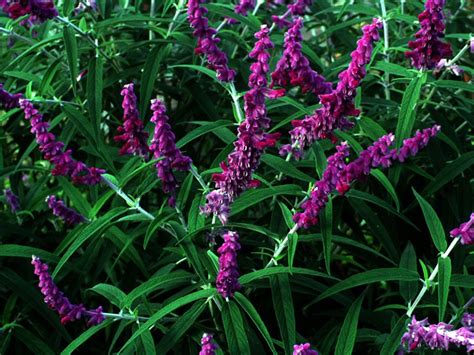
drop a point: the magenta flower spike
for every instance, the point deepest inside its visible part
(207, 41)
(465, 231)
(163, 146)
(208, 347)
(68, 215)
(236, 176)
(293, 67)
(339, 104)
(427, 50)
(39, 10)
(304, 349)
(297, 8)
(339, 176)
(12, 200)
(56, 300)
(131, 132)
(53, 150)
(7, 100)
(244, 6)
(436, 336)
(227, 282)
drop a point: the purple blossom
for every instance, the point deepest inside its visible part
(7, 100)
(468, 321)
(303, 349)
(207, 41)
(236, 175)
(339, 104)
(208, 346)
(298, 7)
(294, 68)
(68, 215)
(428, 48)
(131, 132)
(465, 231)
(436, 336)
(244, 6)
(56, 300)
(39, 10)
(163, 146)
(12, 200)
(339, 176)
(227, 282)
(53, 150)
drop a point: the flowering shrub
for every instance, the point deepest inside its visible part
(241, 177)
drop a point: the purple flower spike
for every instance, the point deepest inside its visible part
(236, 176)
(56, 300)
(244, 6)
(465, 231)
(12, 200)
(53, 150)
(207, 41)
(436, 336)
(428, 48)
(68, 215)
(7, 100)
(39, 10)
(304, 349)
(468, 321)
(163, 146)
(294, 68)
(298, 7)
(339, 104)
(227, 282)
(132, 133)
(208, 346)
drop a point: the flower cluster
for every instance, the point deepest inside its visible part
(294, 68)
(207, 41)
(436, 336)
(163, 146)
(465, 231)
(339, 104)
(468, 321)
(227, 282)
(297, 8)
(12, 200)
(7, 100)
(244, 6)
(131, 132)
(56, 300)
(68, 215)
(208, 347)
(236, 175)
(339, 176)
(304, 349)
(53, 150)
(39, 10)
(428, 48)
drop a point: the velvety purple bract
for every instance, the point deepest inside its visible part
(12, 200)
(68, 215)
(131, 132)
(465, 231)
(227, 282)
(428, 48)
(303, 349)
(39, 10)
(56, 300)
(7, 100)
(208, 347)
(163, 145)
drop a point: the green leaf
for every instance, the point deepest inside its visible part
(464, 281)
(179, 328)
(444, 278)
(392, 343)
(70, 45)
(368, 277)
(234, 329)
(264, 273)
(347, 336)
(81, 122)
(206, 127)
(78, 200)
(94, 93)
(454, 84)
(433, 222)
(326, 233)
(408, 260)
(248, 307)
(394, 69)
(284, 312)
(292, 243)
(154, 225)
(380, 176)
(406, 118)
(286, 168)
(111, 293)
(371, 128)
(81, 339)
(21, 251)
(32, 342)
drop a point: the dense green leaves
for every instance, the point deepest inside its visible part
(284, 311)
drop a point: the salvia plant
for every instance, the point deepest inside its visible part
(247, 177)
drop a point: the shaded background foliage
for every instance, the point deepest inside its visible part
(377, 225)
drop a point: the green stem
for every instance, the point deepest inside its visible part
(386, 45)
(235, 101)
(281, 246)
(124, 316)
(198, 178)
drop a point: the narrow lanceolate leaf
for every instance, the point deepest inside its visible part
(81, 339)
(286, 168)
(284, 311)
(408, 260)
(111, 293)
(433, 222)
(235, 329)
(292, 244)
(94, 93)
(444, 278)
(406, 118)
(70, 44)
(392, 343)
(347, 336)
(326, 232)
